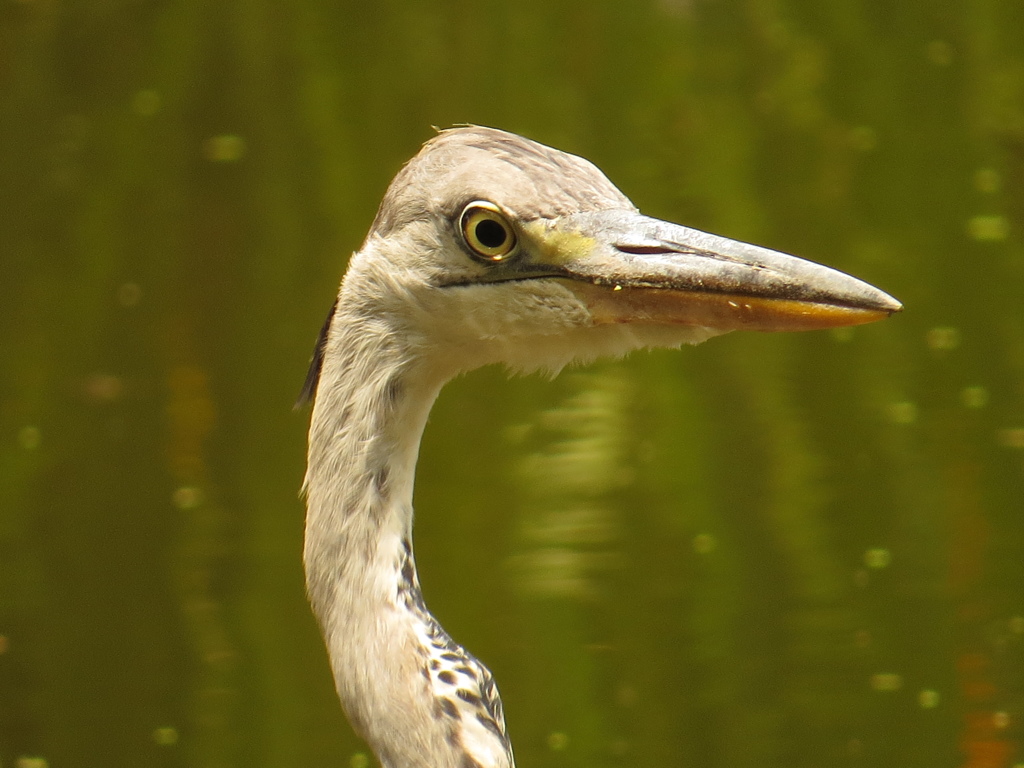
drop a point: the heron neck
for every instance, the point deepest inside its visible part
(371, 407)
(393, 664)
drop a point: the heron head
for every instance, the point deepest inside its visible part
(489, 247)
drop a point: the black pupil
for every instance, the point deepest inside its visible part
(490, 233)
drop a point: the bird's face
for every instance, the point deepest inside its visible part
(492, 248)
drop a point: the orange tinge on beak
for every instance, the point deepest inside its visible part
(722, 311)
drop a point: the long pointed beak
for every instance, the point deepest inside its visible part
(630, 268)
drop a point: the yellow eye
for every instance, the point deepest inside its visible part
(487, 232)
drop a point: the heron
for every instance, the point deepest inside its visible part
(490, 248)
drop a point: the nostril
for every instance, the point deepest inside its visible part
(644, 250)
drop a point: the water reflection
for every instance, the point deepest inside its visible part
(576, 455)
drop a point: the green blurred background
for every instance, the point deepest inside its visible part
(768, 551)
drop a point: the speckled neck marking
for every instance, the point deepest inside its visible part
(464, 689)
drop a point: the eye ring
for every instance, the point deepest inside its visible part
(486, 231)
